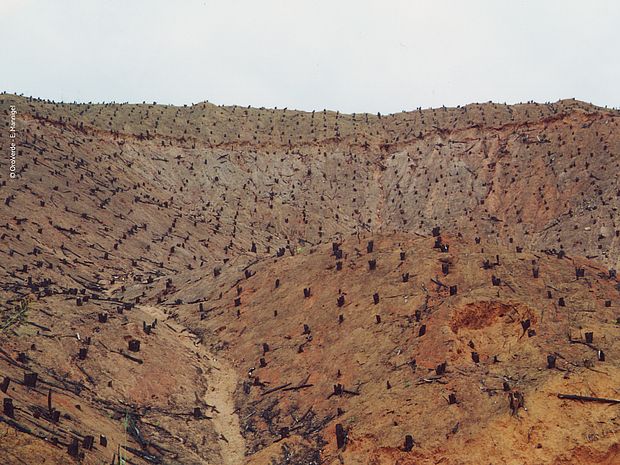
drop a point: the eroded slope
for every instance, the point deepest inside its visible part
(144, 212)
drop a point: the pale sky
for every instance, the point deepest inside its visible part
(347, 55)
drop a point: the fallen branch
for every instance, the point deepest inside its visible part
(143, 455)
(269, 391)
(588, 398)
(88, 377)
(133, 359)
(302, 386)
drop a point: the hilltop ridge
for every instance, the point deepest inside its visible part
(278, 267)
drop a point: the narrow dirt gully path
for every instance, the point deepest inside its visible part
(221, 382)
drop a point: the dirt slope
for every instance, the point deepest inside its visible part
(191, 215)
(387, 366)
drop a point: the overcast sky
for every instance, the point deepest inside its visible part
(347, 55)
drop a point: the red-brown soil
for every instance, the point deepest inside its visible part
(190, 215)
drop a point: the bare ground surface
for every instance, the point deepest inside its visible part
(221, 386)
(233, 244)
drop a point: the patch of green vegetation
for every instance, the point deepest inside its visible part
(15, 316)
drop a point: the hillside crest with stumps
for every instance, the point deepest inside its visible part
(224, 284)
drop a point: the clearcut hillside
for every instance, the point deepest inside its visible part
(286, 272)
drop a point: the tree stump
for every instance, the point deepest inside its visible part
(7, 407)
(440, 369)
(4, 386)
(88, 442)
(134, 345)
(30, 379)
(341, 436)
(516, 402)
(408, 446)
(74, 448)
